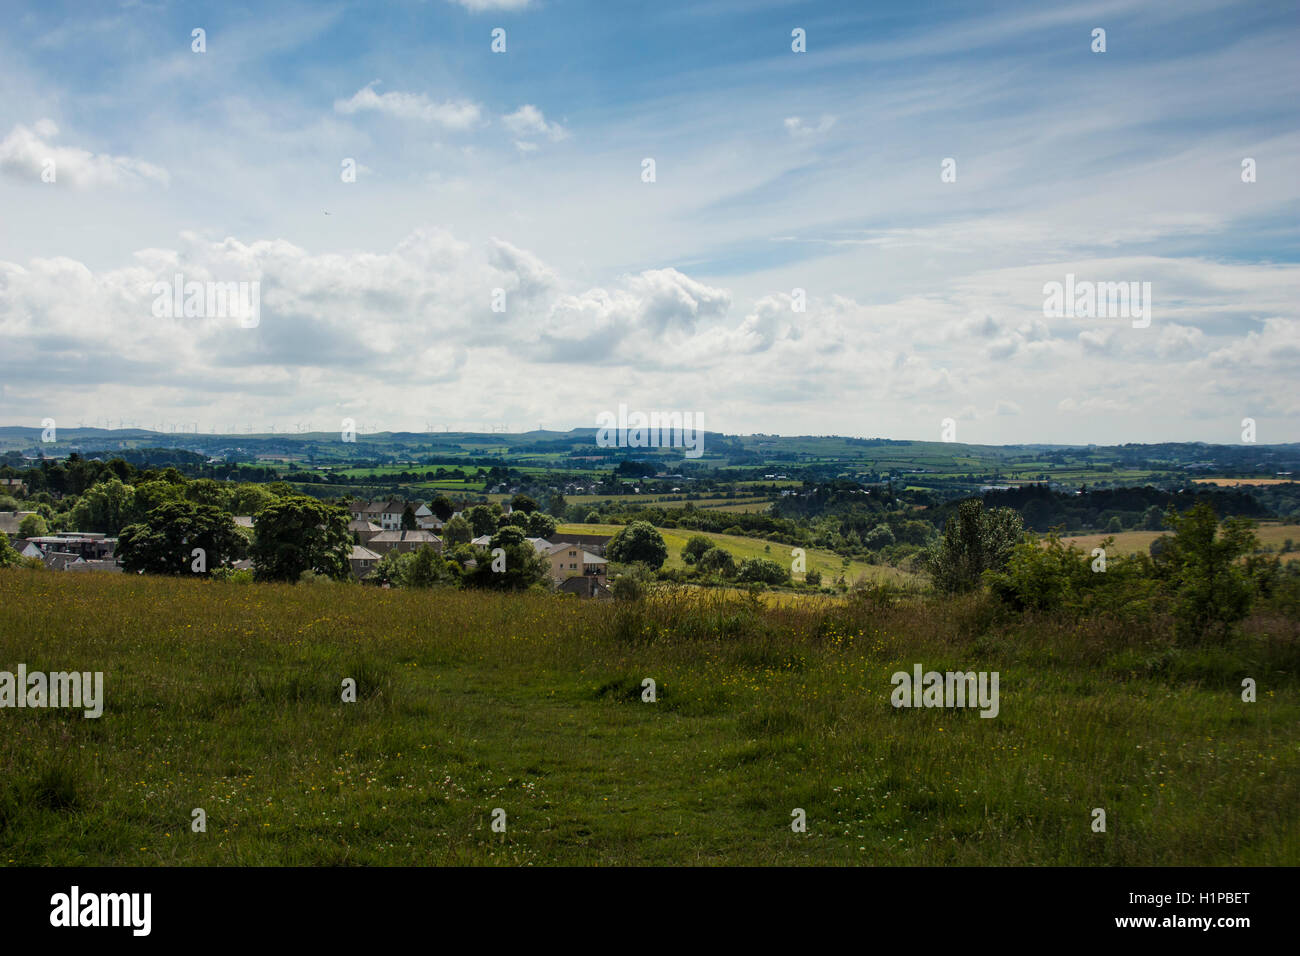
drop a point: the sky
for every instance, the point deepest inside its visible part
(851, 239)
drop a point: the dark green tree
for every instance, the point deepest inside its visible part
(638, 542)
(695, 547)
(974, 541)
(298, 533)
(165, 541)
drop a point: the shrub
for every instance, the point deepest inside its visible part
(718, 561)
(974, 541)
(695, 547)
(762, 571)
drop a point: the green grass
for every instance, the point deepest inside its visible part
(828, 563)
(226, 697)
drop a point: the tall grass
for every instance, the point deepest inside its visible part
(227, 697)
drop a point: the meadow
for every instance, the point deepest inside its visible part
(226, 697)
(1271, 534)
(829, 564)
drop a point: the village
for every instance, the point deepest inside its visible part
(577, 562)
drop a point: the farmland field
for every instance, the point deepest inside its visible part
(827, 562)
(226, 698)
(1131, 542)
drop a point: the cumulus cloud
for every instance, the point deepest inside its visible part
(528, 120)
(26, 153)
(451, 114)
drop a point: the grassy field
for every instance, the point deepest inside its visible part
(828, 563)
(1131, 542)
(1242, 482)
(226, 697)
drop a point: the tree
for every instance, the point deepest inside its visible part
(482, 520)
(408, 519)
(515, 567)
(106, 507)
(541, 525)
(523, 503)
(638, 542)
(974, 541)
(206, 491)
(8, 556)
(164, 542)
(882, 535)
(426, 569)
(248, 498)
(442, 507)
(298, 533)
(695, 547)
(457, 531)
(1114, 525)
(556, 505)
(393, 569)
(1200, 562)
(1153, 519)
(762, 571)
(32, 526)
(718, 561)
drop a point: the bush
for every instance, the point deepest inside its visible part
(974, 541)
(695, 548)
(762, 571)
(718, 561)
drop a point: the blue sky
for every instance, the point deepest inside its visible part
(775, 171)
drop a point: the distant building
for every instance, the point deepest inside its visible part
(362, 561)
(570, 560)
(404, 541)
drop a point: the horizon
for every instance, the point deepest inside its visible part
(37, 430)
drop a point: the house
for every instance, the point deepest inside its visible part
(90, 545)
(595, 543)
(10, 520)
(362, 561)
(13, 486)
(570, 560)
(404, 541)
(426, 520)
(60, 560)
(244, 521)
(364, 530)
(30, 550)
(390, 518)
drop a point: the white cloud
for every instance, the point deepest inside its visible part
(483, 6)
(795, 126)
(452, 114)
(528, 120)
(26, 154)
